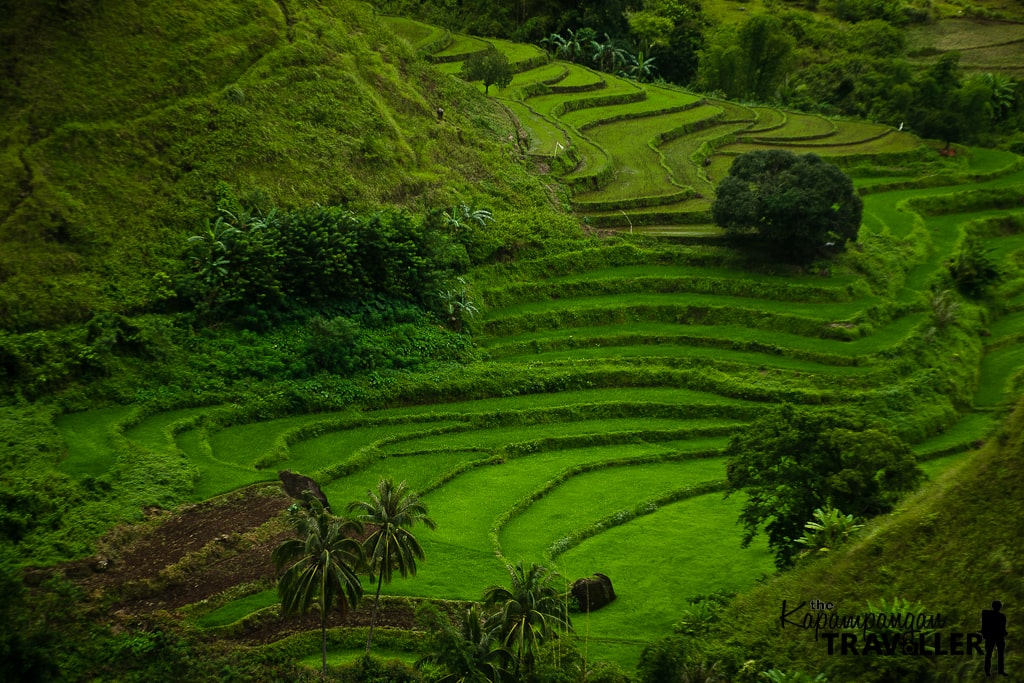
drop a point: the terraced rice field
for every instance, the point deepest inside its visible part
(983, 45)
(589, 435)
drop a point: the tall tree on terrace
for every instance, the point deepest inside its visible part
(528, 614)
(797, 205)
(323, 566)
(391, 510)
(489, 66)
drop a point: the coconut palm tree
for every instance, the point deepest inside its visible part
(390, 511)
(323, 564)
(467, 652)
(527, 615)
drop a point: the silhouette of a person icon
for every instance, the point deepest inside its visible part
(993, 630)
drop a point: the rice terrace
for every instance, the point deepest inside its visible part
(581, 389)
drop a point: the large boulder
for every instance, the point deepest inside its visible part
(593, 592)
(298, 485)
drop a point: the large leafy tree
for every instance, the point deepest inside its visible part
(390, 511)
(321, 566)
(797, 205)
(527, 615)
(489, 66)
(794, 460)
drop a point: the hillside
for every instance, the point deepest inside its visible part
(950, 550)
(123, 126)
(566, 401)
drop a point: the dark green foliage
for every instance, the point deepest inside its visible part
(266, 268)
(467, 651)
(489, 66)
(132, 126)
(972, 268)
(795, 460)
(750, 63)
(526, 616)
(663, 660)
(26, 652)
(369, 669)
(797, 206)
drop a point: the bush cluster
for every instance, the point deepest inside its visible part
(260, 269)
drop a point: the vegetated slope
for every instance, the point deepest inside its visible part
(989, 44)
(644, 157)
(950, 550)
(124, 124)
(613, 370)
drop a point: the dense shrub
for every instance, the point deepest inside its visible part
(259, 269)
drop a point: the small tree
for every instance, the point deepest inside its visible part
(323, 564)
(972, 268)
(799, 206)
(468, 653)
(489, 66)
(529, 613)
(829, 529)
(390, 510)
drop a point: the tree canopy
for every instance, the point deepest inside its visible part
(797, 205)
(490, 66)
(794, 460)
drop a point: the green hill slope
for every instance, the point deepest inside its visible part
(124, 124)
(950, 550)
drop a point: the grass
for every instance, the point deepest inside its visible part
(546, 137)
(517, 53)
(415, 32)
(561, 399)
(582, 77)
(588, 498)
(87, 435)
(834, 282)
(463, 559)
(641, 564)
(498, 437)
(826, 147)
(461, 46)
(799, 126)
(605, 350)
(638, 167)
(152, 432)
(421, 471)
(971, 429)
(680, 153)
(615, 89)
(338, 447)
(216, 476)
(998, 369)
(823, 312)
(237, 609)
(658, 100)
(341, 656)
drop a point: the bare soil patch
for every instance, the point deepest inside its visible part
(194, 554)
